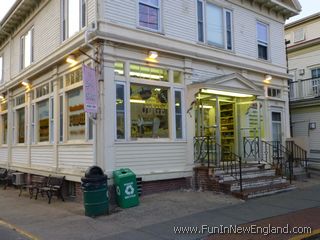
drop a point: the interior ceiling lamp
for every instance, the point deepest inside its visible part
(137, 101)
(1, 97)
(71, 59)
(267, 78)
(26, 83)
(225, 93)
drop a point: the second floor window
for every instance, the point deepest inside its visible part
(27, 49)
(73, 17)
(214, 25)
(262, 40)
(1, 69)
(149, 14)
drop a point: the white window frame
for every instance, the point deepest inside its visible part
(23, 47)
(224, 22)
(262, 43)
(1, 69)
(159, 7)
(65, 18)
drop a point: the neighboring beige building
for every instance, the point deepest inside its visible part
(220, 70)
(304, 66)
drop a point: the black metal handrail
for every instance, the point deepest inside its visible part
(279, 157)
(299, 155)
(209, 153)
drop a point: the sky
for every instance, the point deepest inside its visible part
(308, 7)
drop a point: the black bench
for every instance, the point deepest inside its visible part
(33, 184)
(6, 177)
(52, 187)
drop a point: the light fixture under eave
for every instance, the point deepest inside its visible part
(71, 59)
(25, 83)
(225, 93)
(153, 55)
(267, 78)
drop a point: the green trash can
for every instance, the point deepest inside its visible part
(95, 192)
(126, 188)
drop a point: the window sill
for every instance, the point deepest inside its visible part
(150, 30)
(211, 46)
(150, 141)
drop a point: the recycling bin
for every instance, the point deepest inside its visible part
(95, 192)
(126, 188)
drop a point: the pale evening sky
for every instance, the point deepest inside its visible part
(308, 7)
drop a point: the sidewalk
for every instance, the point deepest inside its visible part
(156, 216)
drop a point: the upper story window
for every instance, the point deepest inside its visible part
(73, 17)
(214, 27)
(1, 69)
(149, 14)
(315, 73)
(27, 49)
(263, 40)
(274, 92)
(298, 35)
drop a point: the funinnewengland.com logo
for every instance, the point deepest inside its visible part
(248, 229)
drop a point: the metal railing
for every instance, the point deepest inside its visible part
(299, 155)
(304, 89)
(208, 152)
(278, 156)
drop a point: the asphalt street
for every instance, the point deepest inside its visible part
(7, 233)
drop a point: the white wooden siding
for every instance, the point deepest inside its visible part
(47, 30)
(146, 158)
(3, 155)
(301, 118)
(91, 11)
(6, 63)
(120, 11)
(75, 156)
(180, 18)
(19, 155)
(42, 156)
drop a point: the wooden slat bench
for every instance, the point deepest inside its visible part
(34, 183)
(52, 187)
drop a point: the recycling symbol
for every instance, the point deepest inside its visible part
(129, 190)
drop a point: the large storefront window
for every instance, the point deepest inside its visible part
(149, 111)
(21, 125)
(178, 113)
(76, 114)
(43, 121)
(4, 119)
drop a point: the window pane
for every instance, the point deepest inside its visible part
(43, 121)
(51, 120)
(177, 77)
(90, 130)
(27, 49)
(4, 128)
(276, 116)
(144, 72)
(60, 118)
(21, 125)
(262, 52)
(1, 69)
(77, 116)
(120, 111)
(32, 123)
(149, 111)
(119, 68)
(229, 30)
(200, 22)
(73, 17)
(178, 112)
(262, 30)
(214, 25)
(148, 16)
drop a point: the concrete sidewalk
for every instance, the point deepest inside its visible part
(155, 218)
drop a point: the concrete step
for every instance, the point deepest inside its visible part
(264, 190)
(253, 183)
(314, 173)
(248, 175)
